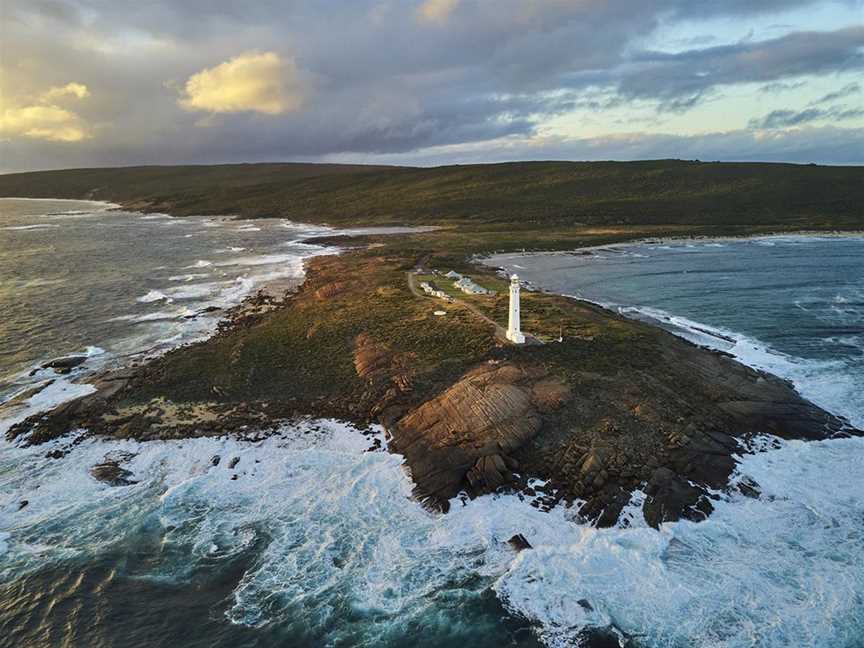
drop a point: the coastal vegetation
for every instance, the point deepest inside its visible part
(484, 197)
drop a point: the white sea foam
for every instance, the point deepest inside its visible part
(263, 259)
(201, 263)
(338, 528)
(153, 296)
(196, 291)
(775, 571)
(36, 226)
(188, 277)
(148, 317)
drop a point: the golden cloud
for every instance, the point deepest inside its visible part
(251, 82)
(44, 119)
(77, 90)
(436, 11)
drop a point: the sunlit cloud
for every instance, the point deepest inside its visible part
(251, 82)
(77, 90)
(436, 12)
(44, 119)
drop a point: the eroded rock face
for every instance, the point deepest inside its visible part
(464, 437)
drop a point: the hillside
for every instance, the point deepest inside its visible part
(524, 195)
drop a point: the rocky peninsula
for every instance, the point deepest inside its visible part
(600, 408)
(615, 406)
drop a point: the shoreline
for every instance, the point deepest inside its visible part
(372, 378)
(75, 370)
(683, 238)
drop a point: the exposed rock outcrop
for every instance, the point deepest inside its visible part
(465, 437)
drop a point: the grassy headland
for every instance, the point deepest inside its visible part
(615, 406)
(521, 195)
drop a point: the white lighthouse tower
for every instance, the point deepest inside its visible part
(513, 324)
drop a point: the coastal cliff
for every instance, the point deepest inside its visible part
(615, 407)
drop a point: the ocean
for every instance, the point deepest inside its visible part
(318, 543)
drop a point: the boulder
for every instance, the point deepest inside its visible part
(63, 365)
(519, 543)
(111, 473)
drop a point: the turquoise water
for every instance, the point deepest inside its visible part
(310, 540)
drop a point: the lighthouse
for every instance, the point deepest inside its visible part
(513, 324)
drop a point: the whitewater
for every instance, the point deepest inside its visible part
(312, 539)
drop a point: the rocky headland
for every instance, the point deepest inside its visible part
(615, 406)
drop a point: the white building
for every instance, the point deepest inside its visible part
(514, 334)
(466, 285)
(429, 290)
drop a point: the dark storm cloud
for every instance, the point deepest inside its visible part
(681, 80)
(375, 78)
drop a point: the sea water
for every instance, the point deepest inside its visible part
(310, 539)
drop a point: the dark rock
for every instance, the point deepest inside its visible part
(488, 473)
(63, 365)
(136, 427)
(203, 311)
(55, 454)
(234, 477)
(215, 459)
(748, 488)
(519, 543)
(112, 474)
(585, 605)
(376, 445)
(670, 498)
(604, 508)
(234, 461)
(22, 504)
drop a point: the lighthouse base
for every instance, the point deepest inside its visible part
(516, 337)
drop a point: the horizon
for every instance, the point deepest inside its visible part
(427, 83)
(424, 166)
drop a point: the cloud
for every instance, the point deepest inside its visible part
(781, 86)
(44, 120)
(681, 80)
(251, 82)
(77, 90)
(827, 145)
(436, 12)
(787, 118)
(396, 77)
(846, 91)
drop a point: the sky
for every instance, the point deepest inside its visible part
(87, 83)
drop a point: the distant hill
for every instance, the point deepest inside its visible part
(526, 195)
